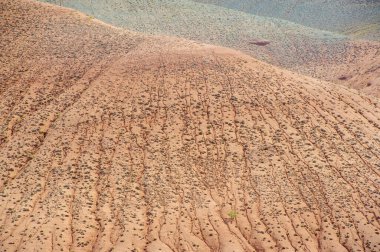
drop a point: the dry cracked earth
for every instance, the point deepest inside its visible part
(111, 140)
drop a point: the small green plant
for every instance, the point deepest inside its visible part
(29, 155)
(232, 214)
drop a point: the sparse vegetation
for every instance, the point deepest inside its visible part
(116, 140)
(232, 214)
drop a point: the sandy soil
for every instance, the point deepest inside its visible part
(114, 141)
(309, 51)
(357, 18)
(359, 68)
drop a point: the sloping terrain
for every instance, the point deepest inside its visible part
(110, 140)
(357, 18)
(313, 52)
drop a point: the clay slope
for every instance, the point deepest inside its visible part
(317, 53)
(115, 141)
(357, 18)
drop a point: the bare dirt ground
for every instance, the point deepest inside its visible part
(113, 141)
(358, 68)
(357, 18)
(309, 51)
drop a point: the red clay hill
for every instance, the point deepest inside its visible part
(115, 141)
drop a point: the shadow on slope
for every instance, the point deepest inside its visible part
(357, 18)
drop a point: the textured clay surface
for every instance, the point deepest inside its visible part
(114, 141)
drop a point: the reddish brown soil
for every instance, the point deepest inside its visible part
(260, 43)
(360, 66)
(112, 141)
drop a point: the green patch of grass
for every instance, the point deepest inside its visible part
(232, 214)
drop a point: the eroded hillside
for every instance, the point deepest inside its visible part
(357, 18)
(317, 53)
(115, 141)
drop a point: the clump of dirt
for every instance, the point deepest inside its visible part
(344, 77)
(260, 43)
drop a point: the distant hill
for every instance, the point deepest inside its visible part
(322, 54)
(357, 18)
